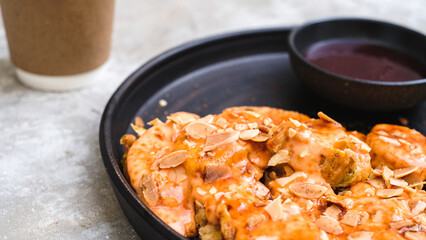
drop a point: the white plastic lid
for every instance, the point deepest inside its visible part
(58, 83)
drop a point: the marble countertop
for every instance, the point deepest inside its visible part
(53, 183)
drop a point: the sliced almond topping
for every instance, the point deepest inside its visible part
(201, 191)
(221, 122)
(295, 122)
(254, 220)
(418, 185)
(398, 182)
(401, 224)
(291, 132)
(387, 193)
(213, 190)
(323, 235)
(181, 118)
(252, 125)
(333, 211)
(377, 172)
(249, 134)
(326, 118)
(383, 133)
(421, 219)
(329, 225)
(241, 127)
(261, 137)
(304, 153)
(418, 208)
(260, 190)
(149, 189)
(199, 129)
(215, 172)
(154, 122)
(173, 159)
(280, 157)
(177, 174)
(387, 173)
(364, 217)
(207, 119)
(275, 209)
(390, 140)
(377, 182)
(378, 217)
(218, 140)
(267, 121)
(351, 218)
(415, 235)
(286, 180)
(402, 172)
(307, 190)
(361, 236)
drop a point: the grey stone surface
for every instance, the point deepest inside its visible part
(52, 181)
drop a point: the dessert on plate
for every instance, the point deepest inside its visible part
(268, 174)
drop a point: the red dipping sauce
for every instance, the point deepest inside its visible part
(365, 60)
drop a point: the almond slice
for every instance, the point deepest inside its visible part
(252, 125)
(351, 218)
(377, 172)
(221, 122)
(275, 209)
(400, 224)
(286, 180)
(326, 118)
(254, 220)
(207, 119)
(177, 174)
(181, 118)
(260, 190)
(199, 129)
(333, 211)
(402, 172)
(295, 122)
(415, 235)
(249, 134)
(387, 193)
(377, 182)
(387, 173)
(418, 208)
(291, 132)
(328, 225)
(280, 157)
(241, 127)
(261, 137)
(222, 139)
(421, 219)
(149, 189)
(361, 236)
(215, 172)
(172, 159)
(390, 140)
(398, 182)
(364, 217)
(307, 190)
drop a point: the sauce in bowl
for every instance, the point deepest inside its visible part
(365, 60)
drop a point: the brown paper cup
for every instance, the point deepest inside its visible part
(58, 45)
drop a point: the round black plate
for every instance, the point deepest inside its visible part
(206, 76)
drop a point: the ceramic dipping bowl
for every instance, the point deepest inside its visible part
(370, 95)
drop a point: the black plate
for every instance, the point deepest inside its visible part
(206, 76)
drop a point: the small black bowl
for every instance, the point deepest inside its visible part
(352, 92)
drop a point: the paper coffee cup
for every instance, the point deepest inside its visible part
(58, 45)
